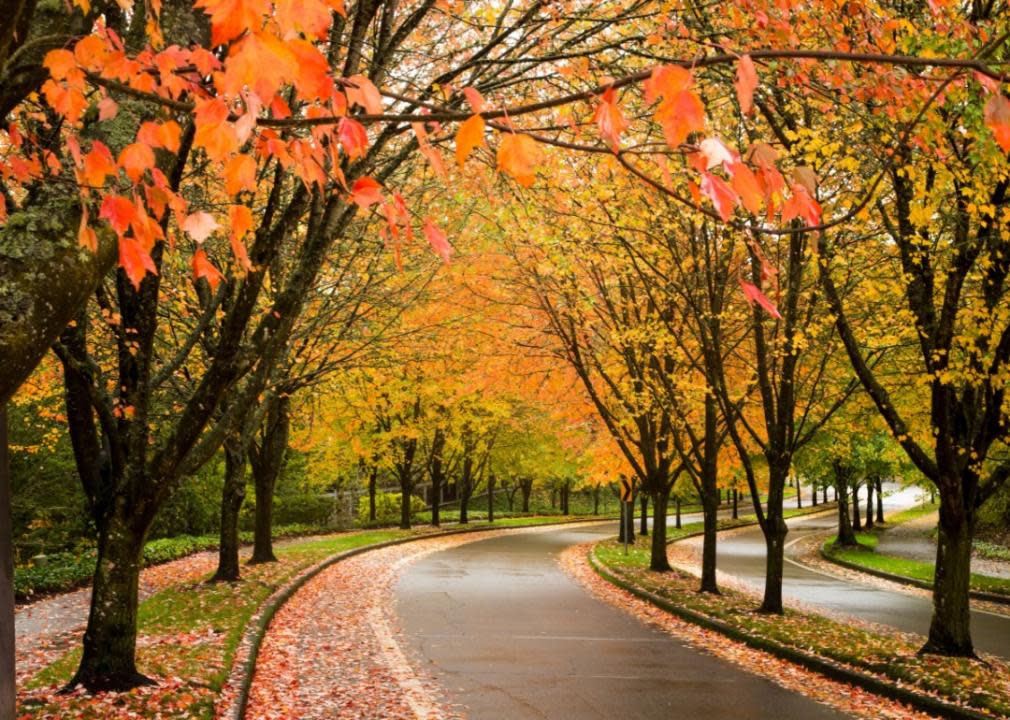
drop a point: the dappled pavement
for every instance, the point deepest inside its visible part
(509, 635)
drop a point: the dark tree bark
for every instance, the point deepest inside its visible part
(491, 482)
(880, 501)
(7, 683)
(373, 477)
(658, 558)
(799, 493)
(232, 496)
(526, 488)
(267, 460)
(677, 511)
(949, 629)
(736, 500)
(437, 474)
(596, 500)
(845, 534)
(869, 503)
(857, 518)
(643, 529)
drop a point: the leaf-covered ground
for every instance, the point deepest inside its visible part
(869, 648)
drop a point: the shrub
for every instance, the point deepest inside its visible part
(387, 507)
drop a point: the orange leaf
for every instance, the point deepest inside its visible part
(666, 81)
(86, 236)
(203, 268)
(135, 159)
(437, 239)
(361, 91)
(754, 295)
(469, 136)
(745, 84)
(365, 192)
(135, 261)
(721, 195)
(746, 185)
(119, 211)
(997, 119)
(801, 205)
(59, 63)
(518, 156)
(353, 137)
(241, 221)
(475, 99)
(161, 135)
(240, 174)
(98, 164)
(680, 115)
(231, 18)
(610, 120)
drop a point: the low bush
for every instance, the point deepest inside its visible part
(387, 508)
(65, 571)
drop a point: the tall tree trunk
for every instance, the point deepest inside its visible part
(491, 482)
(657, 553)
(266, 463)
(857, 517)
(644, 524)
(231, 502)
(949, 629)
(373, 478)
(436, 499)
(596, 500)
(526, 488)
(108, 661)
(626, 533)
(869, 504)
(813, 495)
(880, 500)
(405, 494)
(774, 564)
(825, 501)
(7, 684)
(736, 501)
(845, 534)
(799, 493)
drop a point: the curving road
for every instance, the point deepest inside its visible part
(742, 554)
(509, 635)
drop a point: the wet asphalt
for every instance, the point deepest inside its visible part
(509, 635)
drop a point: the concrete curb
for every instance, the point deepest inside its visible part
(828, 668)
(904, 580)
(815, 510)
(239, 683)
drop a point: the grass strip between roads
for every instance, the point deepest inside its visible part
(188, 634)
(884, 663)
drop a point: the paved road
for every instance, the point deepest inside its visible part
(509, 635)
(742, 554)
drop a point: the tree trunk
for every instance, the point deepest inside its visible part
(596, 500)
(436, 499)
(799, 493)
(677, 503)
(857, 518)
(869, 504)
(405, 493)
(231, 502)
(372, 483)
(7, 683)
(775, 536)
(491, 482)
(736, 500)
(526, 488)
(266, 464)
(110, 640)
(880, 500)
(845, 534)
(813, 495)
(657, 554)
(626, 533)
(643, 529)
(825, 500)
(949, 629)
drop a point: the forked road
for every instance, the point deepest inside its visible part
(742, 554)
(510, 635)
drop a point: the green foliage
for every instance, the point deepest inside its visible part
(65, 571)
(387, 507)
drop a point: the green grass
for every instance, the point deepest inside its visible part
(911, 513)
(866, 556)
(892, 655)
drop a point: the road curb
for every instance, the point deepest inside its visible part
(244, 664)
(828, 668)
(752, 523)
(905, 580)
